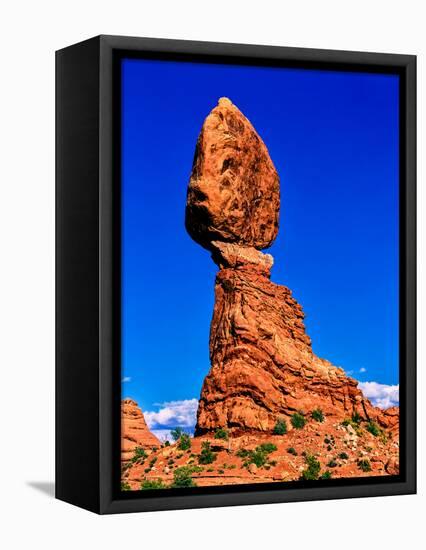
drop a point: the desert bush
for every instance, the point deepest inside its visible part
(373, 428)
(184, 443)
(280, 427)
(176, 433)
(125, 486)
(267, 447)
(167, 443)
(332, 464)
(207, 456)
(326, 475)
(182, 477)
(355, 425)
(138, 454)
(221, 433)
(356, 417)
(318, 415)
(152, 484)
(313, 469)
(364, 465)
(292, 451)
(298, 421)
(258, 456)
(343, 456)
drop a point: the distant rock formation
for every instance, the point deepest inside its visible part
(134, 430)
(262, 364)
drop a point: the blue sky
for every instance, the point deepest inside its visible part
(333, 137)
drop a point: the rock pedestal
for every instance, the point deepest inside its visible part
(262, 364)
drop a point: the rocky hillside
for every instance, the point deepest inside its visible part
(317, 449)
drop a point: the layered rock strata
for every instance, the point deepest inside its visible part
(262, 364)
(134, 430)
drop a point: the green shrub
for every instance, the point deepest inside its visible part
(267, 447)
(298, 421)
(356, 417)
(318, 415)
(343, 456)
(258, 456)
(313, 469)
(139, 453)
(184, 443)
(280, 427)
(327, 441)
(147, 470)
(207, 456)
(355, 425)
(326, 475)
(373, 428)
(292, 451)
(176, 433)
(364, 465)
(332, 464)
(182, 477)
(125, 486)
(152, 484)
(221, 433)
(221, 471)
(243, 453)
(153, 461)
(167, 443)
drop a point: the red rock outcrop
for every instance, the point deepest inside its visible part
(134, 430)
(262, 364)
(234, 190)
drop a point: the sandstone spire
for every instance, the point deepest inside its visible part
(262, 364)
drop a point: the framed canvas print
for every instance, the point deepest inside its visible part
(235, 274)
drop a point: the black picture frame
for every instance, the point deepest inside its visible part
(88, 274)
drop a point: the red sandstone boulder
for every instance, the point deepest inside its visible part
(234, 191)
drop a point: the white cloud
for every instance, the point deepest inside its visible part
(163, 435)
(381, 395)
(126, 379)
(362, 369)
(172, 414)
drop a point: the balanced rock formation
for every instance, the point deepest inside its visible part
(134, 430)
(262, 364)
(234, 190)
